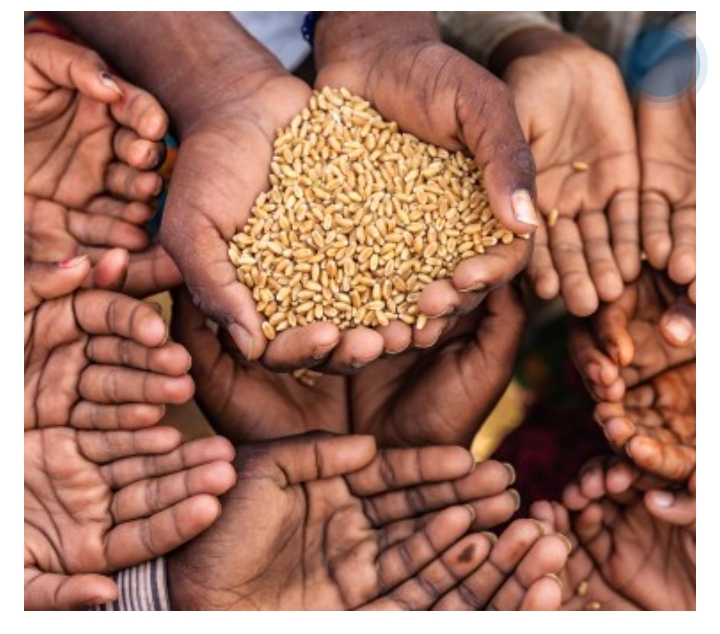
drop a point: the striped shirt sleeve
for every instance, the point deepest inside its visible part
(141, 588)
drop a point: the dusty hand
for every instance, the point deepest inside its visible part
(91, 141)
(96, 502)
(576, 114)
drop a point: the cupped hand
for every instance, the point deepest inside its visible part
(91, 143)
(397, 62)
(344, 527)
(95, 358)
(98, 501)
(577, 117)
(443, 394)
(633, 547)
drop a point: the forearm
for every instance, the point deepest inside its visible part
(191, 61)
(340, 35)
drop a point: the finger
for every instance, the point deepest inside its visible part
(576, 286)
(692, 290)
(138, 153)
(478, 589)
(50, 591)
(134, 542)
(674, 462)
(357, 348)
(613, 335)
(430, 333)
(496, 266)
(51, 281)
(397, 336)
(105, 446)
(152, 495)
(151, 272)
(97, 230)
(171, 359)
(624, 217)
(545, 595)
(672, 507)
(393, 469)
(127, 182)
(592, 363)
(135, 212)
(681, 266)
(140, 111)
(110, 269)
(121, 473)
(101, 312)
(313, 456)
(403, 560)
(453, 487)
(677, 325)
(117, 384)
(441, 575)
(605, 274)
(617, 426)
(441, 298)
(541, 269)
(503, 155)
(547, 556)
(301, 347)
(86, 415)
(72, 66)
(655, 228)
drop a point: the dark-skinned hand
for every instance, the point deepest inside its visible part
(633, 542)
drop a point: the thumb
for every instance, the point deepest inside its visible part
(46, 281)
(48, 591)
(674, 507)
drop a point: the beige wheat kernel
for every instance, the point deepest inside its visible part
(359, 218)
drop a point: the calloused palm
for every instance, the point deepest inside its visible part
(634, 549)
(98, 501)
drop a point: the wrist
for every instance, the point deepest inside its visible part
(534, 40)
(345, 36)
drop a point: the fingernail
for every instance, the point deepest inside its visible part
(107, 80)
(357, 365)
(540, 525)
(663, 499)
(516, 496)
(474, 287)
(524, 208)
(550, 575)
(566, 540)
(679, 328)
(243, 340)
(511, 471)
(491, 537)
(321, 352)
(158, 187)
(472, 512)
(72, 262)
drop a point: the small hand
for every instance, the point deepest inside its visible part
(95, 358)
(633, 548)
(576, 114)
(98, 501)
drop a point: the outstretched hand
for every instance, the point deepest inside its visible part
(91, 143)
(633, 543)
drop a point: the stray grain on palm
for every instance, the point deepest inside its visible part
(359, 219)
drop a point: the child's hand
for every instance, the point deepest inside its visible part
(576, 114)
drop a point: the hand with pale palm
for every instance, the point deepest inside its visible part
(345, 527)
(98, 501)
(91, 143)
(634, 543)
(574, 109)
(95, 358)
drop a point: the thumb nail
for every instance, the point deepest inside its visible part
(107, 81)
(243, 340)
(524, 208)
(72, 262)
(680, 329)
(663, 499)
